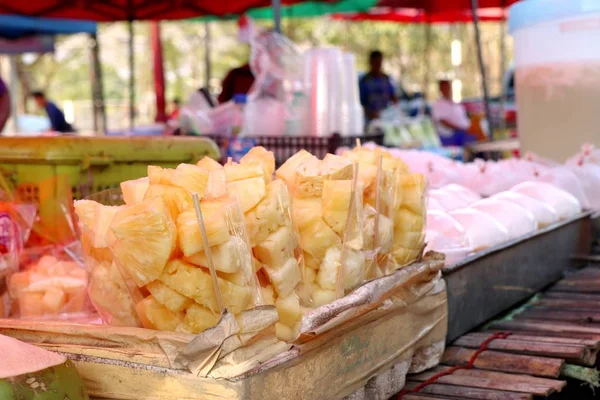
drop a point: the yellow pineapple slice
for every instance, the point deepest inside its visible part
(268, 294)
(237, 278)
(307, 211)
(287, 333)
(188, 230)
(196, 283)
(197, 319)
(145, 237)
(413, 191)
(287, 172)
(288, 308)
(265, 157)
(249, 192)
(191, 178)
(317, 237)
(408, 221)
(336, 200)
(134, 190)
(328, 271)
(159, 175)
(337, 167)
(104, 216)
(276, 248)
(322, 296)
(177, 199)
(168, 297)
(209, 164)
(239, 172)
(353, 262)
(382, 239)
(86, 213)
(31, 304)
(308, 179)
(156, 316)
(285, 278)
(227, 257)
(269, 213)
(403, 256)
(54, 300)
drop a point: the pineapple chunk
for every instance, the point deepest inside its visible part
(239, 172)
(337, 196)
(18, 283)
(309, 275)
(407, 221)
(285, 278)
(288, 308)
(188, 230)
(322, 296)
(31, 304)
(287, 333)
(308, 179)
(407, 239)
(86, 213)
(209, 164)
(276, 249)
(227, 257)
(145, 237)
(237, 278)
(134, 190)
(311, 262)
(413, 192)
(168, 297)
(269, 214)
(328, 272)
(268, 294)
(307, 211)
(104, 216)
(287, 172)
(159, 175)
(191, 178)
(197, 284)
(198, 319)
(337, 167)
(354, 268)
(177, 199)
(265, 157)
(217, 184)
(156, 316)
(54, 300)
(249, 192)
(385, 231)
(317, 237)
(403, 256)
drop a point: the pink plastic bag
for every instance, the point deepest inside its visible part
(482, 231)
(564, 178)
(516, 219)
(565, 204)
(543, 213)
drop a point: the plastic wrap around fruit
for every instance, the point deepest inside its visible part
(148, 263)
(272, 235)
(327, 211)
(49, 288)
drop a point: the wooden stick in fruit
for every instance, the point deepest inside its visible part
(206, 246)
(378, 182)
(339, 287)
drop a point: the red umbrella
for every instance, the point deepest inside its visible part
(128, 10)
(419, 16)
(434, 6)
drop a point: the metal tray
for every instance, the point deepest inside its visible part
(492, 281)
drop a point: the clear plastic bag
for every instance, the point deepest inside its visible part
(49, 285)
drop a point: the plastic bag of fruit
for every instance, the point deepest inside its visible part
(328, 215)
(273, 237)
(50, 284)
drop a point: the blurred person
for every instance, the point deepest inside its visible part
(377, 91)
(5, 106)
(451, 120)
(237, 81)
(175, 110)
(55, 115)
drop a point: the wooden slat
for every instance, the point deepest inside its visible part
(533, 325)
(570, 295)
(569, 352)
(542, 337)
(505, 362)
(422, 397)
(546, 314)
(464, 392)
(494, 380)
(574, 304)
(562, 335)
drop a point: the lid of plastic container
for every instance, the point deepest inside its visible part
(531, 12)
(240, 98)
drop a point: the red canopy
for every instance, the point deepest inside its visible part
(415, 16)
(124, 10)
(439, 6)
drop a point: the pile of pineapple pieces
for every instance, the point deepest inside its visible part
(301, 239)
(49, 286)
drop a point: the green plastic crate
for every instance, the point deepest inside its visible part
(93, 164)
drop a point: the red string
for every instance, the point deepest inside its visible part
(450, 371)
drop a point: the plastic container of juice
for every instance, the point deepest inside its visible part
(557, 68)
